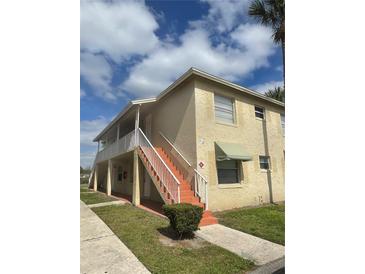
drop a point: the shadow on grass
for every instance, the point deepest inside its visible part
(170, 233)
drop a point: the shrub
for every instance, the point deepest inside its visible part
(184, 218)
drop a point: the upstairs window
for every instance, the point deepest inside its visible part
(282, 118)
(259, 112)
(228, 172)
(264, 162)
(223, 109)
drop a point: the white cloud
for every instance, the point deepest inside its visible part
(113, 31)
(87, 159)
(82, 93)
(262, 88)
(253, 46)
(97, 72)
(225, 15)
(117, 28)
(89, 129)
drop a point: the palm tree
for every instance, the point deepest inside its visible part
(271, 13)
(277, 93)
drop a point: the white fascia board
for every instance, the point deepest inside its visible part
(123, 112)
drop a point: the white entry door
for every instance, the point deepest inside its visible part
(147, 185)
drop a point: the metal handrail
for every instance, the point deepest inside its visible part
(178, 152)
(198, 177)
(169, 180)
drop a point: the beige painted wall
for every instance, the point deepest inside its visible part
(247, 130)
(174, 116)
(126, 185)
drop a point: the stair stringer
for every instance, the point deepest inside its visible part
(154, 178)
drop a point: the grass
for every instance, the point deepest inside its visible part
(267, 222)
(84, 188)
(95, 198)
(139, 231)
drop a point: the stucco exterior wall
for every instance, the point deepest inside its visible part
(126, 185)
(174, 116)
(247, 130)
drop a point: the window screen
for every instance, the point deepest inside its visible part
(228, 172)
(223, 109)
(282, 118)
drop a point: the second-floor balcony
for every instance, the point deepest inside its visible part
(118, 147)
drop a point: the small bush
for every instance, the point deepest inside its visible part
(184, 218)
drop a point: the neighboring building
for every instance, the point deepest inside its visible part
(203, 140)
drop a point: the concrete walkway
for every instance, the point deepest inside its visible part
(101, 251)
(258, 250)
(275, 267)
(119, 202)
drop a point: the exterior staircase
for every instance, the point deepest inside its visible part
(186, 193)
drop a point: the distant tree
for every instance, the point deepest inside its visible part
(81, 170)
(277, 93)
(271, 13)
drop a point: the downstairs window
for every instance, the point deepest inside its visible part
(228, 172)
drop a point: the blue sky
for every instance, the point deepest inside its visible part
(135, 49)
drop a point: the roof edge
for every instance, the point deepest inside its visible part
(235, 86)
(191, 71)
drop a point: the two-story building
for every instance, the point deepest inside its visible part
(203, 140)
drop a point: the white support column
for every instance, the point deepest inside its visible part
(136, 189)
(109, 178)
(96, 178)
(136, 197)
(118, 128)
(136, 125)
(98, 145)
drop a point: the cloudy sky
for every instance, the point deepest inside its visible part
(135, 49)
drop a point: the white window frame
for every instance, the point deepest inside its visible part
(263, 112)
(233, 110)
(239, 174)
(282, 124)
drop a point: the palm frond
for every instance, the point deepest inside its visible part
(277, 93)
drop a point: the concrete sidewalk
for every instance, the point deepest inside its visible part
(119, 202)
(258, 250)
(101, 251)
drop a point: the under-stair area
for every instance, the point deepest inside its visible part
(185, 193)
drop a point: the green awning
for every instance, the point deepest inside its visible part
(230, 151)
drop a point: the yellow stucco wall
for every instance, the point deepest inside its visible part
(247, 130)
(174, 116)
(186, 116)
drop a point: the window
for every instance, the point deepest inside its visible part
(223, 109)
(259, 112)
(228, 172)
(264, 162)
(282, 118)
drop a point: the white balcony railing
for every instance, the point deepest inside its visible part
(123, 145)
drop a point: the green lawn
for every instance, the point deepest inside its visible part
(139, 230)
(95, 198)
(267, 222)
(84, 188)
